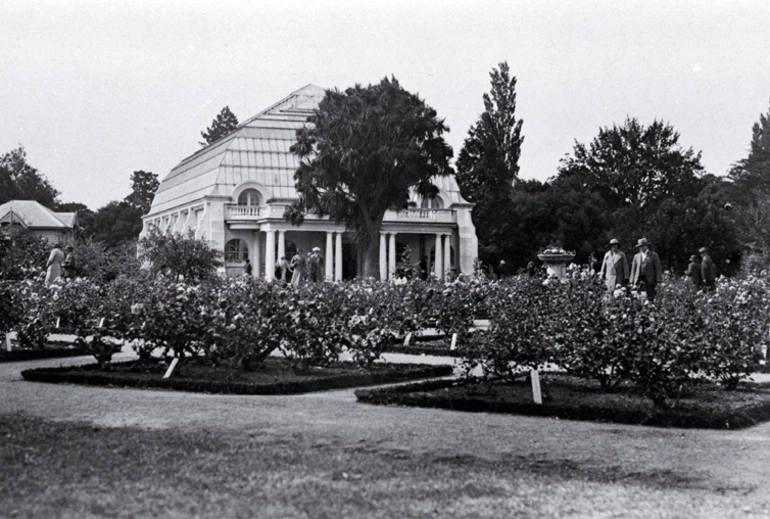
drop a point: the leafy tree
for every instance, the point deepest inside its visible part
(143, 187)
(22, 254)
(85, 216)
(754, 170)
(488, 165)
(175, 254)
(20, 181)
(489, 160)
(365, 148)
(224, 123)
(636, 166)
(116, 223)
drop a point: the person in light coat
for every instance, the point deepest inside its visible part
(614, 267)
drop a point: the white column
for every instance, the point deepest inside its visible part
(447, 254)
(329, 271)
(438, 257)
(383, 258)
(338, 258)
(281, 244)
(255, 259)
(392, 256)
(270, 255)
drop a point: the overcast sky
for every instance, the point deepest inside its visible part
(95, 90)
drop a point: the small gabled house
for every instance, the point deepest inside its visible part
(234, 191)
(37, 218)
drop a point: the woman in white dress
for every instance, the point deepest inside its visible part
(53, 266)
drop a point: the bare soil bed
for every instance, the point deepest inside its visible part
(274, 376)
(702, 405)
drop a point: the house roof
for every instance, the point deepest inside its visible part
(34, 215)
(257, 151)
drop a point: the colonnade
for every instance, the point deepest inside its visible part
(332, 254)
(442, 262)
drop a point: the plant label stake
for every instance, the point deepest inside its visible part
(101, 322)
(8, 341)
(57, 321)
(454, 342)
(536, 395)
(408, 338)
(171, 367)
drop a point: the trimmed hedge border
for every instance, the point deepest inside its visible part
(426, 394)
(92, 376)
(37, 354)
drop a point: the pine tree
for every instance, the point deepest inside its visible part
(754, 170)
(222, 125)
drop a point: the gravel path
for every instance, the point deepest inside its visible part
(718, 461)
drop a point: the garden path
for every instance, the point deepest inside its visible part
(710, 460)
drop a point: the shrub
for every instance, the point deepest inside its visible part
(174, 255)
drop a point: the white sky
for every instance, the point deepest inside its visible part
(96, 90)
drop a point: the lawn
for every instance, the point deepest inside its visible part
(52, 469)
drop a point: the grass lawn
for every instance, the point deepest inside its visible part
(701, 405)
(52, 469)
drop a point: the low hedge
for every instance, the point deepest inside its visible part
(91, 375)
(727, 411)
(44, 353)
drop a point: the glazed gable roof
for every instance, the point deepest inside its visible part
(257, 151)
(34, 215)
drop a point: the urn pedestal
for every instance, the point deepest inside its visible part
(556, 260)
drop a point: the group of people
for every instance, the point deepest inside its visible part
(310, 267)
(61, 263)
(646, 271)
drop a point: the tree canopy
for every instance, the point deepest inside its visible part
(20, 181)
(754, 170)
(224, 123)
(362, 152)
(143, 187)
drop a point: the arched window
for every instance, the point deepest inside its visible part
(249, 197)
(432, 203)
(236, 250)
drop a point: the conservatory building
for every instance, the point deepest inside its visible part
(234, 191)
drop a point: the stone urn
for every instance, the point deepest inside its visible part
(555, 260)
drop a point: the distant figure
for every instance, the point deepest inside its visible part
(614, 267)
(694, 273)
(53, 266)
(708, 269)
(69, 265)
(283, 264)
(424, 268)
(646, 271)
(247, 269)
(316, 265)
(298, 264)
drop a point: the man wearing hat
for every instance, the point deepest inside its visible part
(614, 267)
(694, 273)
(69, 265)
(316, 265)
(646, 271)
(708, 269)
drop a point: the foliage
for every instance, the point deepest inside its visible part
(23, 254)
(175, 254)
(636, 166)
(362, 152)
(753, 172)
(143, 187)
(115, 224)
(20, 181)
(224, 123)
(96, 261)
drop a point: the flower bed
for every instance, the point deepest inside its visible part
(273, 376)
(706, 405)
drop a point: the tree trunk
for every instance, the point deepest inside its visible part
(370, 260)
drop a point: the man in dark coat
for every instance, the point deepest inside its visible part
(694, 272)
(646, 270)
(708, 269)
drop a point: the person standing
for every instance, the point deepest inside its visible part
(283, 264)
(53, 266)
(298, 264)
(247, 268)
(708, 269)
(646, 271)
(316, 265)
(694, 273)
(69, 265)
(614, 267)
